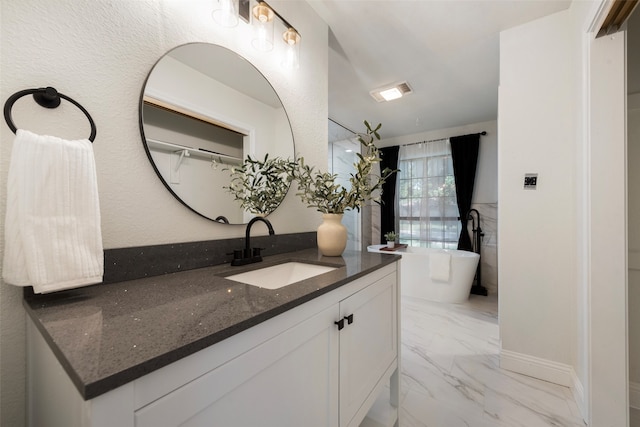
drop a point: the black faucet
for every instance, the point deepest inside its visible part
(477, 287)
(223, 219)
(250, 255)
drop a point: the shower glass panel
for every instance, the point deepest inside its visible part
(343, 153)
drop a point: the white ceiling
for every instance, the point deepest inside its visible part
(447, 50)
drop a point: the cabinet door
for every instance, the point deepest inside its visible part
(368, 346)
(290, 380)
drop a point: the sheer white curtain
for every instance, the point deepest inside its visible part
(427, 211)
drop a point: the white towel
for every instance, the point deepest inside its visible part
(52, 228)
(439, 266)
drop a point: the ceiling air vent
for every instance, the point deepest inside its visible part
(389, 93)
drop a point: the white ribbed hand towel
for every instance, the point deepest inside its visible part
(439, 266)
(52, 228)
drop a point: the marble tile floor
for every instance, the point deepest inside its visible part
(451, 378)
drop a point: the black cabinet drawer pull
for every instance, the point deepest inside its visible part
(349, 319)
(340, 324)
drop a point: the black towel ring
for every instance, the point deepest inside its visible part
(46, 97)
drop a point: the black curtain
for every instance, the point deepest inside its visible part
(389, 156)
(464, 153)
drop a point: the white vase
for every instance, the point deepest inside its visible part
(391, 245)
(332, 235)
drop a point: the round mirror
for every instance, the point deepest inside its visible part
(203, 110)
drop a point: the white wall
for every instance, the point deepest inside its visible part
(607, 230)
(536, 232)
(561, 114)
(99, 53)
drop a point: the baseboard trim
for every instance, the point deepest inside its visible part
(546, 370)
(578, 394)
(543, 369)
(634, 395)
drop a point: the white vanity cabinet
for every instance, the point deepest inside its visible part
(287, 380)
(322, 363)
(368, 347)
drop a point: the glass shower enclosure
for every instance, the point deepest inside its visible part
(343, 153)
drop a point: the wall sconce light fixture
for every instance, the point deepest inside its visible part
(292, 54)
(263, 22)
(227, 14)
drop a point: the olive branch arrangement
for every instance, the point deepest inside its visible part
(320, 190)
(260, 185)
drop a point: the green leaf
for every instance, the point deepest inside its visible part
(321, 191)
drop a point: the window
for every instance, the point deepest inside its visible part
(427, 207)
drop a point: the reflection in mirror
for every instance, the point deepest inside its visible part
(259, 185)
(204, 109)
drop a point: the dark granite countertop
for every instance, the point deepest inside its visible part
(110, 334)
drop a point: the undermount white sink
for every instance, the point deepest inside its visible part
(280, 275)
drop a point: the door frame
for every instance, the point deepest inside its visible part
(606, 266)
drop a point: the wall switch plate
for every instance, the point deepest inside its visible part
(530, 181)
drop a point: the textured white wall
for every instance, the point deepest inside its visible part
(536, 231)
(99, 53)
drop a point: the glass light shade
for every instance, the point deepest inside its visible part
(291, 58)
(262, 23)
(227, 14)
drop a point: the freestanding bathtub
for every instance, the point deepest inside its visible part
(443, 275)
